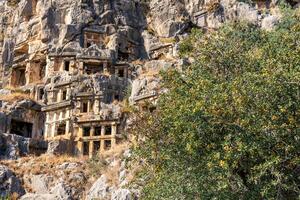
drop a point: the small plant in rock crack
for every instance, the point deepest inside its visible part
(96, 165)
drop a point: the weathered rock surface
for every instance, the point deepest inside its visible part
(122, 194)
(100, 189)
(269, 22)
(144, 35)
(13, 146)
(9, 184)
(40, 184)
(58, 192)
(59, 147)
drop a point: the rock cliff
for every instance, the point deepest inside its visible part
(68, 66)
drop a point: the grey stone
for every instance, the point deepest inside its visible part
(59, 147)
(269, 22)
(9, 183)
(121, 194)
(40, 184)
(68, 165)
(99, 190)
(62, 191)
(246, 13)
(32, 196)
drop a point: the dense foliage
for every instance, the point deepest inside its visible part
(228, 128)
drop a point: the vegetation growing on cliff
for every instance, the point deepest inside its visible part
(229, 126)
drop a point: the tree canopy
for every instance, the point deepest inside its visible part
(228, 127)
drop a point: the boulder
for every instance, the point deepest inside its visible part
(59, 147)
(40, 184)
(169, 17)
(269, 22)
(9, 183)
(31, 196)
(62, 191)
(99, 190)
(121, 194)
(246, 13)
(13, 146)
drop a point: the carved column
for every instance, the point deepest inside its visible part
(91, 148)
(113, 133)
(80, 143)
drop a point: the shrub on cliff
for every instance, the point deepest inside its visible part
(228, 128)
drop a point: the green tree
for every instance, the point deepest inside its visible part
(228, 127)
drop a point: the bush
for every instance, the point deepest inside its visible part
(229, 126)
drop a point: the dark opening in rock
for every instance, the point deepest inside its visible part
(93, 68)
(67, 66)
(121, 73)
(18, 77)
(61, 129)
(86, 148)
(96, 146)
(21, 128)
(107, 130)
(41, 93)
(84, 107)
(107, 144)
(97, 130)
(122, 55)
(64, 95)
(86, 131)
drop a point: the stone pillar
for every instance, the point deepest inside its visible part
(125, 72)
(113, 133)
(59, 95)
(105, 67)
(89, 106)
(80, 143)
(72, 64)
(46, 131)
(27, 73)
(68, 93)
(80, 67)
(67, 127)
(102, 130)
(91, 149)
(53, 127)
(92, 131)
(96, 106)
(102, 140)
(102, 146)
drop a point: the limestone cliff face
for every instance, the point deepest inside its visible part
(67, 65)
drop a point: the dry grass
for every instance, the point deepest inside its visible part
(15, 95)
(138, 62)
(212, 6)
(2, 36)
(169, 40)
(99, 164)
(150, 72)
(117, 151)
(126, 107)
(112, 172)
(37, 82)
(40, 165)
(92, 169)
(12, 3)
(150, 30)
(45, 164)
(106, 40)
